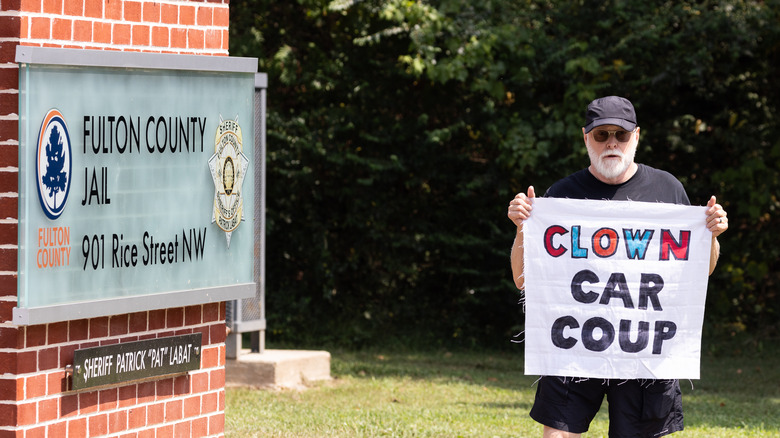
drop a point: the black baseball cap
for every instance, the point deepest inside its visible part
(610, 110)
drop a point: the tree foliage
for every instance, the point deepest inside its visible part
(398, 131)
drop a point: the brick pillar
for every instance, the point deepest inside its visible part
(33, 397)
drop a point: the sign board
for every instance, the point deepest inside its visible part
(615, 289)
(136, 182)
(127, 361)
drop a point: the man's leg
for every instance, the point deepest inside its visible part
(549, 432)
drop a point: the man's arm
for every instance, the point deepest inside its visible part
(717, 222)
(519, 210)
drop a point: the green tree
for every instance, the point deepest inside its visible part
(399, 130)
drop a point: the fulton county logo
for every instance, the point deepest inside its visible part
(53, 164)
(228, 168)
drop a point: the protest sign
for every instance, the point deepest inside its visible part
(615, 289)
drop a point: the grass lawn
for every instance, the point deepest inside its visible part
(461, 394)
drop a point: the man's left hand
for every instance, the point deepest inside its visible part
(717, 220)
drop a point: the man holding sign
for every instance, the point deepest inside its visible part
(613, 289)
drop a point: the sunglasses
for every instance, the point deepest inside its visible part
(602, 135)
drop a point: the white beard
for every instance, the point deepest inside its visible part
(611, 168)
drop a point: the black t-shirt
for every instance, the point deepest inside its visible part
(647, 185)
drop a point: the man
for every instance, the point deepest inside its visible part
(637, 408)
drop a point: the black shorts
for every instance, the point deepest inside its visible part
(637, 408)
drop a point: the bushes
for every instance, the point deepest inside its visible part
(398, 132)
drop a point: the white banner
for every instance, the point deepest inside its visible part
(615, 289)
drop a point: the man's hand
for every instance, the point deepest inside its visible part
(520, 207)
(717, 222)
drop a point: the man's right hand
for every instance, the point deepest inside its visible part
(520, 207)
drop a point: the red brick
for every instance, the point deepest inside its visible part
(98, 327)
(9, 129)
(175, 317)
(62, 29)
(9, 102)
(117, 421)
(8, 256)
(98, 425)
(225, 41)
(222, 17)
(181, 385)
(69, 405)
(93, 9)
(82, 31)
(127, 395)
(187, 15)
(164, 388)
(113, 10)
(209, 357)
(8, 362)
(136, 417)
(8, 390)
(6, 310)
(101, 32)
(140, 35)
(48, 358)
(217, 379)
(169, 14)
(150, 433)
(8, 54)
(27, 362)
(40, 27)
(27, 413)
(66, 355)
(57, 332)
(217, 333)
(52, 6)
(157, 319)
(36, 432)
(146, 392)
(195, 39)
(10, 337)
(9, 80)
(200, 427)
(173, 410)
(200, 382)
(73, 8)
(118, 324)
(9, 26)
(165, 432)
(88, 402)
(192, 406)
(160, 36)
(8, 234)
(56, 383)
(138, 322)
(35, 335)
(193, 315)
(8, 415)
(205, 16)
(222, 310)
(182, 429)
(30, 6)
(151, 12)
(179, 38)
(155, 414)
(57, 429)
(35, 386)
(121, 34)
(78, 330)
(133, 11)
(217, 424)
(107, 399)
(48, 410)
(77, 428)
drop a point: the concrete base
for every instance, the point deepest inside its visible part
(278, 368)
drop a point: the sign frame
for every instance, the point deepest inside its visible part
(30, 315)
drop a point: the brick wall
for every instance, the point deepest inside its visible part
(33, 397)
